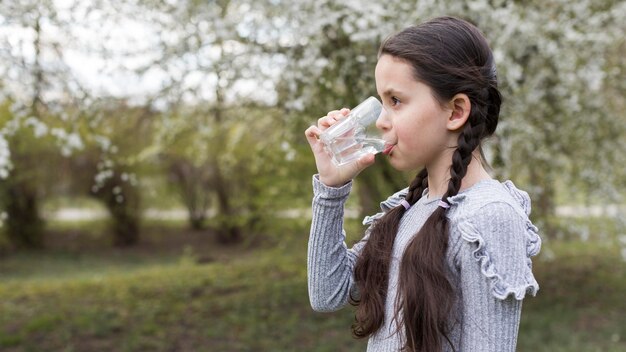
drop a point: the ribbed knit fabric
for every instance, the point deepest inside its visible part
(490, 245)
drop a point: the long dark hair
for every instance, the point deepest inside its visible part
(451, 56)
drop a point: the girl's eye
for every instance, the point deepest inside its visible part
(395, 101)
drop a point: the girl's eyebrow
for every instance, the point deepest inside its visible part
(389, 92)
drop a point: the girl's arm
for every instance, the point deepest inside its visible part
(330, 262)
(495, 275)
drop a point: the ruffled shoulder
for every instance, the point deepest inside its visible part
(522, 198)
(503, 283)
(533, 244)
(507, 239)
(386, 205)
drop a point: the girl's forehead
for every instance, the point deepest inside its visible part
(390, 63)
(393, 74)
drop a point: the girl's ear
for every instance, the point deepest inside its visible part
(460, 107)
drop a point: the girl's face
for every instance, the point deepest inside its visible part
(413, 121)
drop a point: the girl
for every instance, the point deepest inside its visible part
(446, 264)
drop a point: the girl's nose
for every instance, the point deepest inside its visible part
(383, 123)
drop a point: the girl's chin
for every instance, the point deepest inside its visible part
(400, 164)
(396, 162)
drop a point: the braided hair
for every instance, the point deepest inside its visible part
(451, 56)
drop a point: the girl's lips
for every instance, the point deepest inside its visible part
(388, 149)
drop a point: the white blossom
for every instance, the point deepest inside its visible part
(5, 158)
(40, 129)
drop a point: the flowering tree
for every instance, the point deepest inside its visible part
(36, 87)
(234, 83)
(331, 51)
(218, 135)
(560, 125)
(51, 114)
(562, 120)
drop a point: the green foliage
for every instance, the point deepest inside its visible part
(118, 154)
(31, 157)
(578, 307)
(239, 166)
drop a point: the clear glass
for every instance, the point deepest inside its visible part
(355, 135)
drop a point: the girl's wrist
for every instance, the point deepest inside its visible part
(332, 183)
(324, 191)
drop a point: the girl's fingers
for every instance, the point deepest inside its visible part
(328, 120)
(365, 161)
(332, 117)
(325, 122)
(312, 135)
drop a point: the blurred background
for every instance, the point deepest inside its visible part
(155, 180)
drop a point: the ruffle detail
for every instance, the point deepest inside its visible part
(520, 196)
(386, 205)
(533, 244)
(369, 220)
(456, 199)
(394, 200)
(500, 287)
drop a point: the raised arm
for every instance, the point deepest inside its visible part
(330, 262)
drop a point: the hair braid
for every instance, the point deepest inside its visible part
(468, 141)
(417, 187)
(374, 263)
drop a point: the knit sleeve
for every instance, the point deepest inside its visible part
(495, 272)
(330, 263)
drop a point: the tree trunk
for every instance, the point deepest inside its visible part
(123, 206)
(24, 225)
(228, 231)
(125, 223)
(192, 183)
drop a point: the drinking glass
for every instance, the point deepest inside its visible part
(355, 135)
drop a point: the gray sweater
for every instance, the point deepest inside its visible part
(490, 245)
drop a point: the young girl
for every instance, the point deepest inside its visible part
(446, 264)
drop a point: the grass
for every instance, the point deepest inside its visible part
(178, 291)
(581, 305)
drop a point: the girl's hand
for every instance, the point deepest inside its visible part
(331, 174)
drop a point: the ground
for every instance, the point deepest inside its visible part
(178, 290)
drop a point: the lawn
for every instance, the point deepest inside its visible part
(178, 291)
